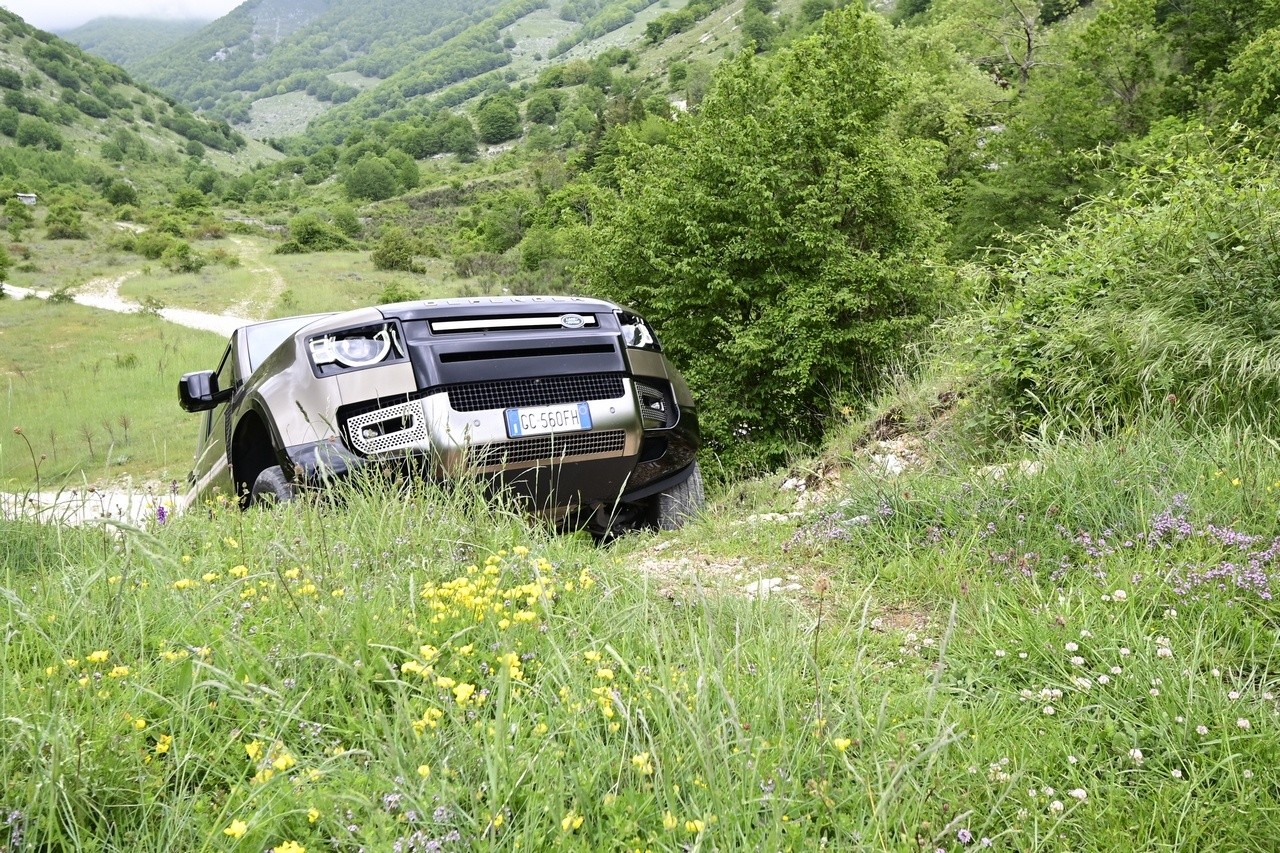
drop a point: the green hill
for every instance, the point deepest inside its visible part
(129, 41)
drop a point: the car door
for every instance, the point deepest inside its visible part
(212, 470)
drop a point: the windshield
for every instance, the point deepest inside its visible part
(263, 338)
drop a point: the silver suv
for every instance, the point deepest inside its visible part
(566, 401)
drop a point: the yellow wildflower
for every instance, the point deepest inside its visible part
(841, 743)
(424, 770)
(210, 577)
(99, 656)
(118, 672)
(184, 583)
(694, 826)
(669, 821)
(290, 847)
(570, 821)
(313, 814)
(237, 829)
(642, 762)
(463, 692)
(238, 571)
(254, 750)
(163, 744)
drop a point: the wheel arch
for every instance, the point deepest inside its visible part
(253, 450)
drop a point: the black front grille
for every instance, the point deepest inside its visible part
(547, 447)
(544, 391)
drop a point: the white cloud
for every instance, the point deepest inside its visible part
(65, 15)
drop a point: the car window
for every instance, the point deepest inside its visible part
(226, 379)
(263, 338)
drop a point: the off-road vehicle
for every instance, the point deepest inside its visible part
(567, 402)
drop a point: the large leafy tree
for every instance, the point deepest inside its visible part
(777, 238)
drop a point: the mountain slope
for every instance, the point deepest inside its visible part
(70, 118)
(270, 47)
(129, 41)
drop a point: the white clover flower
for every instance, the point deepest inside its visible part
(1233, 694)
(1124, 651)
(1086, 633)
(1248, 774)
(1164, 652)
(1077, 661)
(1242, 723)
(1136, 755)
(1000, 653)
(1154, 691)
(1104, 680)
(1071, 759)
(1175, 773)
(1055, 806)
(1115, 670)
(1120, 595)
(1078, 793)
(1202, 730)
(1048, 711)
(1071, 647)
(1048, 791)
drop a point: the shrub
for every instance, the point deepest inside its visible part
(395, 251)
(1159, 295)
(180, 257)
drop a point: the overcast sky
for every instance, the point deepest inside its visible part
(62, 15)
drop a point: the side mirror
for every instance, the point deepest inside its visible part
(199, 392)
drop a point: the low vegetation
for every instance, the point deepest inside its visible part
(1076, 653)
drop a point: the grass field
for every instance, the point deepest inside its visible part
(94, 393)
(954, 660)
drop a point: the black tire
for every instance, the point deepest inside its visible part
(271, 487)
(680, 503)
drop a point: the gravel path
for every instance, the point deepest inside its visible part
(104, 293)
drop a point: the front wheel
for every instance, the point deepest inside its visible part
(271, 487)
(680, 503)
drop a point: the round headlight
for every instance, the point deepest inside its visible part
(362, 351)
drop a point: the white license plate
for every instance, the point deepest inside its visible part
(540, 420)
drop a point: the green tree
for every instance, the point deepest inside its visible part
(372, 178)
(498, 119)
(778, 241)
(120, 192)
(541, 108)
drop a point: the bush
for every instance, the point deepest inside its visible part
(395, 251)
(309, 233)
(65, 223)
(152, 244)
(180, 257)
(1157, 296)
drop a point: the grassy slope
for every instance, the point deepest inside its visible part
(1041, 661)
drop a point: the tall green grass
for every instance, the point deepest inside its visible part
(94, 394)
(971, 657)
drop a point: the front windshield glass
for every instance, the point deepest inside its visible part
(263, 338)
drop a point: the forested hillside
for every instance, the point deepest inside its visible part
(128, 41)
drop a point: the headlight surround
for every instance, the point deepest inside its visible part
(637, 333)
(350, 349)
